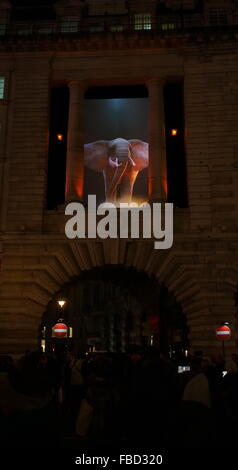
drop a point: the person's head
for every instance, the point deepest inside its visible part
(196, 365)
(234, 357)
(30, 362)
(135, 353)
(81, 354)
(43, 359)
(6, 363)
(70, 356)
(198, 354)
(220, 362)
(206, 362)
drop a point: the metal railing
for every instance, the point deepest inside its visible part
(105, 24)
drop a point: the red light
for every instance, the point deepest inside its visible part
(174, 132)
(60, 137)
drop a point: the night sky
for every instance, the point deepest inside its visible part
(31, 3)
(37, 9)
(44, 8)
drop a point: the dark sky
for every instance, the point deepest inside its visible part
(33, 9)
(36, 3)
(32, 3)
(25, 10)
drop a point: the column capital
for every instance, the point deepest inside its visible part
(155, 82)
(76, 83)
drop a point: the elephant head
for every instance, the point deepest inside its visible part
(120, 161)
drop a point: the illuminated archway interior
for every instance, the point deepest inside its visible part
(112, 309)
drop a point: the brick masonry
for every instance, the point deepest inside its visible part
(201, 268)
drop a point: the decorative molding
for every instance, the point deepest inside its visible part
(122, 41)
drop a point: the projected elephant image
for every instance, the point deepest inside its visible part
(120, 161)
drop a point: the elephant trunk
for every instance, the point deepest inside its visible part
(123, 158)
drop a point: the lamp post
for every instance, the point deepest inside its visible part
(62, 302)
(60, 329)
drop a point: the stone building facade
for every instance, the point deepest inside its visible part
(201, 269)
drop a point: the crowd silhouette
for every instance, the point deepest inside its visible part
(130, 399)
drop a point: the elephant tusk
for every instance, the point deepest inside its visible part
(130, 157)
(131, 160)
(113, 163)
(118, 164)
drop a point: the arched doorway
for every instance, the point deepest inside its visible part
(113, 308)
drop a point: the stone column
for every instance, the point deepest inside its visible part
(75, 143)
(157, 145)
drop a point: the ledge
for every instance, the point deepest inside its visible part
(120, 40)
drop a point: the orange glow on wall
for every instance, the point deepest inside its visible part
(165, 188)
(60, 137)
(174, 132)
(74, 187)
(165, 183)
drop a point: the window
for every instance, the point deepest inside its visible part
(117, 8)
(99, 8)
(142, 21)
(24, 30)
(69, 24)
(177, 4)
(2, 87)
(45, 30)
(217, 16)
(167, 26)
(96, 28)
(3, 28)
(117, 28)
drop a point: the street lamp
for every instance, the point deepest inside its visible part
(61, 302)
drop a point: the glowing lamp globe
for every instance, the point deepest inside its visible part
(61, 303)
(60, 330)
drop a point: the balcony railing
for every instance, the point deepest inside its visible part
(107, 24)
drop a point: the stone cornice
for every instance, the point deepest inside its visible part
(120, 41)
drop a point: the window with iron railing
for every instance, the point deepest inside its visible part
(69, 24)
(178, 4)
(168, 26)
(218, 16)
(3, 28)
(2, 87)
(99, 8)
(142, 21)
(117, 28)
(96, 28)
(24, 30)
(47, 29)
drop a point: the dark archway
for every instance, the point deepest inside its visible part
(113, 308)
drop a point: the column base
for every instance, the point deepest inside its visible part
(78, 200)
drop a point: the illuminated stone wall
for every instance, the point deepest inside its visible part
(37, 259)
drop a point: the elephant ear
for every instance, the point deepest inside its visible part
(96, 155)
(140, 153)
